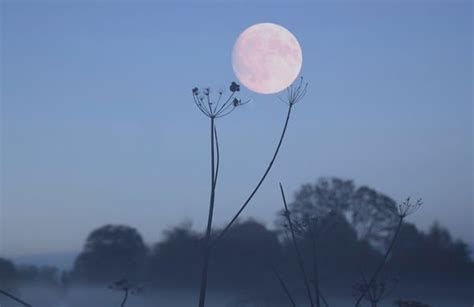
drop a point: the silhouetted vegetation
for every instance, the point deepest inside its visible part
(214, 107)
(111, 252)
(252, 256)
(127, 288)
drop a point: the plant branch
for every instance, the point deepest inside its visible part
(297, 250)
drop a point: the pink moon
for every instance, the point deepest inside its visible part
(267, 58)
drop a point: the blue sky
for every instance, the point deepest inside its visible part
(98, 123)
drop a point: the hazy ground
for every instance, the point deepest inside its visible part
(103, 297)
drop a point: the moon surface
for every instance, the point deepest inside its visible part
(267, 58)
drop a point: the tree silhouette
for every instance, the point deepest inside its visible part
(111, 252)
(372, 214)
(179, 248)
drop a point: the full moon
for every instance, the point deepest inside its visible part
(267, 58)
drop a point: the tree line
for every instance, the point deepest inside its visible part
(354, 226)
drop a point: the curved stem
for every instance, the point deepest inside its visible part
(217, 156)
(207, 247)
(124, 298)
(16, 299)
(297, 250)
(382, 263)
(252, 194)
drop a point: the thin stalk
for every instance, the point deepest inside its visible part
(297, 250)
(316, 273)
(124, 298)
(252, 194)
(323, 298)
(283, 285)
(383, 262)
(207, 247)
(217, 157)
(16, 299)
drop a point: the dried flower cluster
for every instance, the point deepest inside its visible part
(377, 290)
(215, 107)
(294, 93)
(406, 207)
(127, 288)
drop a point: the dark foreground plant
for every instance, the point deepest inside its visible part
(127, 288)
(404, 209)
(377, 291)
(310, 227)
(214, 108)
(299, 258)
(16, 299)
(283, 286)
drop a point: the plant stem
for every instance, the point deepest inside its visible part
(257, 187)
(207, 246)
(124, 298)
(16, 299)
(382, 263)
(297, 250)
(283, 285)
(316, 273)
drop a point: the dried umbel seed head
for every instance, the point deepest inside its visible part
(125, 285)
(215, 107)
(407, 207)
(295, 92)
(234, 87)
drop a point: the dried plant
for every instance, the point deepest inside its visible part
(405, 208)
(376, 291)
(295, 94)
(127, 288)
(283, 286)
(299, 258)
(16, 299)
(214, 107)
(310, 227)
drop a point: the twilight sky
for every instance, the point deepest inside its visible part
(99, 126)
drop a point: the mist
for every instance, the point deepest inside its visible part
(101, 296)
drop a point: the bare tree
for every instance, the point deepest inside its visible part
(215, 109)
